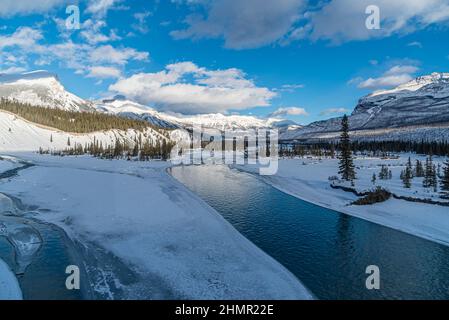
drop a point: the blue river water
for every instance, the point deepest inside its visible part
(327, 250)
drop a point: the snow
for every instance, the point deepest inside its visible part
(413, 111)
(415, 84)
(214, 121)
(7, 164)
(40, 88)
(142, 215)
(9, 286)
(17, 134)
(307, 179)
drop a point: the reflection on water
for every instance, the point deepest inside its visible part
(328, 251)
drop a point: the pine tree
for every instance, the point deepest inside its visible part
(410, 166)
(419, 170)
(373, 179)
(407, 176)
(434, 179)
(428, 173)
(445, 181)
(384, 173)
(346, 166)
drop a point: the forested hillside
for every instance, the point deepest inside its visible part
(70, 121)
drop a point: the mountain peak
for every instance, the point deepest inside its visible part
(416, 84)
(40, 88)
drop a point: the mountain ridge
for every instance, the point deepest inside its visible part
(43, 88)
(421, 102)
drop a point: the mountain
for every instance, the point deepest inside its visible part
(40, 88)
(125, 108)
(121, 106)
(18, 134)
(418, 109)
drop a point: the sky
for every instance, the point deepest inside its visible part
(295, 59)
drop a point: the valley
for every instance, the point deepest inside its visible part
(102, 173)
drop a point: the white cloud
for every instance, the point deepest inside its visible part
(91, 32)
(120, 56)
(415, 44)
(10, 8)
(253, 23)
(85, 58)
(242, 24)
(101, 7)
(24, 37)
(187, 88)
(401, 69)
(344, 20)
(104, 72)
(393, 77)
(291, 87)
(290, 111)
(141, 24)
(12, 70)
(331, 111)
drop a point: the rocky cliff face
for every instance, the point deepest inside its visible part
(422, 102)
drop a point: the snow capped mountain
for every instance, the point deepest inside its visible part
(133, 110)
(120, 106)
(420, 103)
(17, 134)
(416, 84)
(40, 88)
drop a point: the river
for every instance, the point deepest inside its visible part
(327, 250)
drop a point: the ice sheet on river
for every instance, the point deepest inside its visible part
(178, 245)
(25, 240)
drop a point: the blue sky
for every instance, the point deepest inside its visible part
(296, 59)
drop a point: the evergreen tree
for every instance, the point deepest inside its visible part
(428, 173)
(419, 170)
(406, 177)
(384, 173)
(373, 179)
(410, 166)
(346, 166)
(434, 179)
(445, 181)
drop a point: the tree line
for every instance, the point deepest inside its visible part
(434, 176)
(72, 121)
(141, 148)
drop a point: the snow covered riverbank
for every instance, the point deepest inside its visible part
(178, 246)
(9, 286)
(307, 179)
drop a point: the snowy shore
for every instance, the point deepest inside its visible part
(179, 247)
(307, 179)
(9, 286)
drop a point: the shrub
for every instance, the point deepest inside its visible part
(375, 196)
